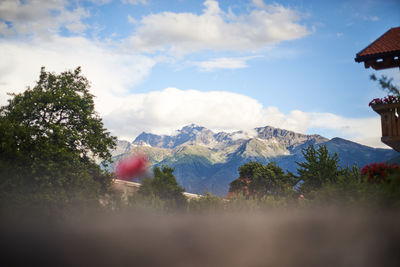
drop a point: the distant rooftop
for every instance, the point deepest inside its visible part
(383, 53)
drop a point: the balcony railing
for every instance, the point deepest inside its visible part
(390, 122)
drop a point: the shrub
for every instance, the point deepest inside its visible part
(378, 172)
(207, 203)
(165, 187)
(257, 180)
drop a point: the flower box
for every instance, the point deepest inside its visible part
(390, 123)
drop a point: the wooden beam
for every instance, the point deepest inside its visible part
(386, 63)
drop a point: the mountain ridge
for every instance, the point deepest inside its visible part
(208, 161)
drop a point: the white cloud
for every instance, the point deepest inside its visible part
(100, 2)
(135, 2)
(4, 29)
(163, 112)
(259, 3)
(111, 71)
(127, 114)
(215, 29)
(367, 17)
(41, 18)
(76, 27)
(131, 19)
(221, 63)
(374, 18)
(363, 130)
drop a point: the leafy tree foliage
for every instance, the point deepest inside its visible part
(164, 186)
(318, 168)
(49, 135)
(257, 179)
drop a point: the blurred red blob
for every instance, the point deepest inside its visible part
(132, 167)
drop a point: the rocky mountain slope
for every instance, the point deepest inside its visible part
(208, 161)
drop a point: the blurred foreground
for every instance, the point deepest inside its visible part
(302, 237)
(59, 208)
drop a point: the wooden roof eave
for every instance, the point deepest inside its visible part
(359, 58)
(381, 60)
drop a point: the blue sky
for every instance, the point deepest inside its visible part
(157, 65)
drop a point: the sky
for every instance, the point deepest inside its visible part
(158, 65)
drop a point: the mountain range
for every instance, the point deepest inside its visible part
(207, 161)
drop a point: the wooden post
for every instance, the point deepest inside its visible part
(390, 123)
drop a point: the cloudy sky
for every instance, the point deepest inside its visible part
(157, 65)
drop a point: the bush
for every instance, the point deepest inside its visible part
(207, 203)
(378, 172)
(147, 203)
(258, 180)
(165, 187)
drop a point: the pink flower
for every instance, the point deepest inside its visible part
(390, 99)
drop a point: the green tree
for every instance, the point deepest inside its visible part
(257, 179)
(49, 135)
(318, 168)
(164, 186)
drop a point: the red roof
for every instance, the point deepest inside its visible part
(387, 43)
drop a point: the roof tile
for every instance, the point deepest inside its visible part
(388, 42)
